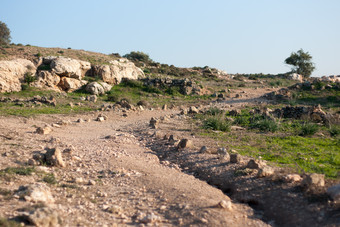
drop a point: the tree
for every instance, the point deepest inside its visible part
(5, 34)
(138, 56)
(301, 62)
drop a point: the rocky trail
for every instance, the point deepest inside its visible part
(120, 172)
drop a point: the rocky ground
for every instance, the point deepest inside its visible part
(116, 170)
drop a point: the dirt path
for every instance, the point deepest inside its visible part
(130, 185)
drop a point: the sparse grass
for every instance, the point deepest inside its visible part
(265, 125)
(334, 130)
(24, 171)
(50, 178)
(8, 223)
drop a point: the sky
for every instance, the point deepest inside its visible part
(238, 36)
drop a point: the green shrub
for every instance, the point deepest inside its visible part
(138, 56)
(50, 179)
(214, 111)
(308, 129)
(44, 67)
(217, 123)
(241, 120)
(18, 170)
(334, 130)
(29, 78)
(265, 125)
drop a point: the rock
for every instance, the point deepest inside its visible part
(234, 112)
(254, 164)
(80, 120)
(165, 107)
(43, 130)
(71, 84)
(266, 171)
(92, 182)
(237, 128)
(150, 218)
(185, 143)
(235, 158)
(47, 80)
(314, 179)
(143, 103)
(114, 210)
(172, 138)
(53, 156)
(334, 192)
(295, 76)
(100, 119)
(204, 149)
(193, 110)
(292, 178)
(118, 70)
(37, 192)
(12, 74)
(92, 98)
(78, 180)
(43, 217)
(224, 204)
(69, 67)
(153, 123)
(95, 88)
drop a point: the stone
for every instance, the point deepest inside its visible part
(92, 182)
(53, 156)
(266, 171)
(43, 217)
(12, 74)
(153, 123)
(292, 178)
(117, 70)
(80, 120)
(95, 88)
(193, 110)
(334, 192)
(235, 158)
(71, 84)
(295, 76)
(150, 218)
(165, 107)
(47, 80)
(100, 119)
(185, 143)
(92, 98)
(37, 192)
(254, 164)
(314, 179)
(225, 204)
(43, 130)
(69, 67)
(237, 128)
(204, 149)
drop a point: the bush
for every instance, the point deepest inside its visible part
(214, 111)
(29, 78)
(265, 125)
(334, 130)
(138, 56)
(5, 34)
(217, 123)
(308, 129)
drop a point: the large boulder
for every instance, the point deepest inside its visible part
(118, 70)
(68, 67)
(47, 80)
(71, 84)
(96, 88)
(295, 76)
(12, 74)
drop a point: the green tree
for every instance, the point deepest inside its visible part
(301, 62)
(5, 34)
(138, 56)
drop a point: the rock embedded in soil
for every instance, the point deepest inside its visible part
(292, 178)
(224, 204)
(53, 156)
(314, 179)
(334, 192)
(235, 158)
(185, 143)
(37, 192)
(43, 130)
(266, 171)
(43, 217)
(153, 123)
(255, 164)
(204, 149)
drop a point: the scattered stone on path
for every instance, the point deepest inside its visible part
(255, 164)
(154, 123)
(193, 110)
(43, 130)
(235, 158)
(334, 192)
(224, 204)
(80, 120)
(92, 98)
(185, 143)
(237, 128)
(165, 107)
(151, 218)
(53, 156)
(37, 192)
(314, 179)
(204, 149)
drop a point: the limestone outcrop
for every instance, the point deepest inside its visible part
(12, 74)
(117, 70)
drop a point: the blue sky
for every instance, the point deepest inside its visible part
(239, 36)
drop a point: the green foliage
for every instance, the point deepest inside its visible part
(309, 129)
(138, 56)
(8, 223)
(217, 122)
(301, 62)
(334, 130)
(18, 170)
(214, 111)
(29, 78)
(265, 125)
(5, 34)
(45, 67)
(50, 178)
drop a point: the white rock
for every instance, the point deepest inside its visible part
(37, 192)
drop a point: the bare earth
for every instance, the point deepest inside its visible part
(132, 183)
